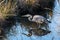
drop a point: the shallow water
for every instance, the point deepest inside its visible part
(54, 27)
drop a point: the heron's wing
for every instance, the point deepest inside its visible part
(38, 17)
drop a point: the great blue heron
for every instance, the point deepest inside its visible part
(36, 18)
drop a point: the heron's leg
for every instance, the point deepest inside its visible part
(39, 26)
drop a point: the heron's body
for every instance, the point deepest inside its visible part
(36, 18)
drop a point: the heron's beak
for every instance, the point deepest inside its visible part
(26, 15)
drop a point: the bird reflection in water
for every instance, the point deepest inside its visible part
(38, 31)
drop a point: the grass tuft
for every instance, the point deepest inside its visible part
(7, 8)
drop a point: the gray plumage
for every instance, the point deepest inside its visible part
(36, 18)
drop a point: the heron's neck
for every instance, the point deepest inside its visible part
(30, 18)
